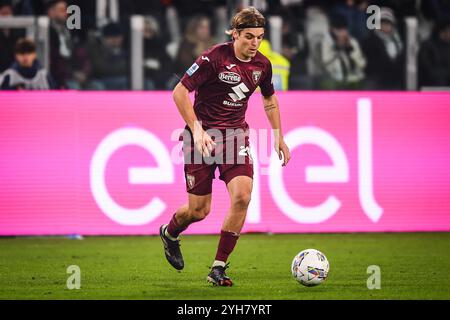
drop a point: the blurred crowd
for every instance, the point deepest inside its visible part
(324, 44)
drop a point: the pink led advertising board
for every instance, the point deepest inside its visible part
(109, 163)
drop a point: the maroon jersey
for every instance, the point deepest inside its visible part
(223, 85)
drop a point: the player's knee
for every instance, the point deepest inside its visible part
(241, 200)
(199, 213)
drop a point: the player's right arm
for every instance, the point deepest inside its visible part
(202, 140)
(273, 114)
(184, 105)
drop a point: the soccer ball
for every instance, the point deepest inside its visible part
(310, 267)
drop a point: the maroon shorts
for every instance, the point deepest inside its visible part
(231, 155)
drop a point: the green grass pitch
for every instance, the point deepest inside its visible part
(413, 266)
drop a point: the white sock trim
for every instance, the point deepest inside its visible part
(169, 236)
(218, 264)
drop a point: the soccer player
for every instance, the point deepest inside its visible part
(224, 77)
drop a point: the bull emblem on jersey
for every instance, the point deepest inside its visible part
(256, 76)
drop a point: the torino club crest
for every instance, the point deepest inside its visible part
(256, 76)
(190, 181)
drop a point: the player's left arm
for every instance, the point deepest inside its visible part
(272, 110)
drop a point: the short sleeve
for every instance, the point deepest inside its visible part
(200, 72)
(266, 85)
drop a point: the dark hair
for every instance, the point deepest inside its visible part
(50, 3)
(24, 46)
(338, 21)
(112, 29)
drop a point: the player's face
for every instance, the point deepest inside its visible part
(248, 41)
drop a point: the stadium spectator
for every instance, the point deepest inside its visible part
(384, 50)
(157, 62)
(201, 22)
(355, 12)
(434, 57)
(68, 59)
(197, 39)
(290, 39)
(26, 73)
(60, 43)
(294, 44)
(341, 58)
(432, 11)
(109, 59)
(299, 77)
(8, 37)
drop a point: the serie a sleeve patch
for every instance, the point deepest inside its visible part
(192, 69)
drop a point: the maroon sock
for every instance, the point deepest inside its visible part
(226, 245)
(174, 229)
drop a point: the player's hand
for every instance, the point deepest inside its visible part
(203, 142)
(283, 152)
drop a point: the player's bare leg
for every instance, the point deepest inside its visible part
(196, 210)
(240, 189)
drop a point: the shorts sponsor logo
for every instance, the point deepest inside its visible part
(230, 77)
